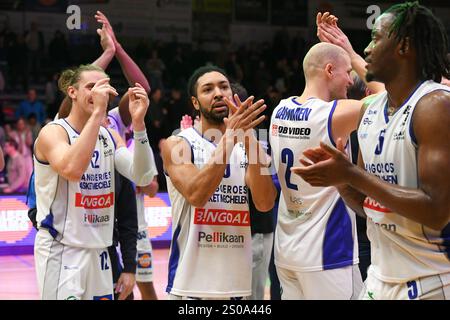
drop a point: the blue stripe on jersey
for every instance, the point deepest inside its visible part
(297, 103)
(445, 235)
(192, 150)
(203, 137)
(338, 240)
(385, 112)
(48, 224)
(330, 117)
(174, 258)
(112, 138)
(31, 193)
(411, 129)
(70, 126)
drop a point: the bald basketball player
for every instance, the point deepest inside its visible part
(316, 252)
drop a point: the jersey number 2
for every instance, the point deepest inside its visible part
(94, 161)
(287, 157)
(104, 260)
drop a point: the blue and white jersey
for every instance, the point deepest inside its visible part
(79, 213)
(315, 230)
(211, 254)
(116, 123)
(401, 248)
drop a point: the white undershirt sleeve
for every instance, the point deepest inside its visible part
(138, 167)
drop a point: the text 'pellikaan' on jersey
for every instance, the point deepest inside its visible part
(211, 253)
(315, 230)
(79, 213)
(401, 248)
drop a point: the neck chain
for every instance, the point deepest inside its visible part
(391, 108)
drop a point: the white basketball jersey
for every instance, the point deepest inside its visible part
(116, 123)
(315, 230)
(401, 248)
(79, 213)
(211, 253)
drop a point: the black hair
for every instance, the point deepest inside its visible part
(192, 83)
(426, 34)
(238, 89)
(358, 89)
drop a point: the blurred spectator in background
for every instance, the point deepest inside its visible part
(176, 107)
(34, 40)
(34, 125)
(31, 105)
(25, 143)
(58, 51)
(155, 68)
(53, 96)
(15, 169)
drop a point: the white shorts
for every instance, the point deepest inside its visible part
(71, 273)
(334, 284)
(144, 269)
(436, 287)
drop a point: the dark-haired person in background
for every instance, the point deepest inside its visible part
(402, 181)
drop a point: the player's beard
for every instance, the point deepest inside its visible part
(212, 116)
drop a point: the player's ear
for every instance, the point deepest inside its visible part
(329, 70)
(71, 92)
(195, 103)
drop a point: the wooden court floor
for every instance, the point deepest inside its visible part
(18, 277)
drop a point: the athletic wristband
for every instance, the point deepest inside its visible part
(140, 135)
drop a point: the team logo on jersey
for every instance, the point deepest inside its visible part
(94, 202)
(105, 297)
(371, 204)
(104, 140)
(144, 260)
(367, 121)
(399, 135)
(297, 114)
(220, 237)
(291, 132)
(221, 217)
(274, 129)
(299, 215)
(94, 219)
(141, 235)
(406, 115)
(296, 200)
(363, 135)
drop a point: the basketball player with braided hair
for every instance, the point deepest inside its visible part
(402, 181)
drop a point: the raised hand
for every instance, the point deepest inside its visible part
(244, 115)
(106, 40)
(327, 166)
(101, 18)
(186, 122)
(138, 105)
(328, 31)
(326, 18)
(101, 93)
